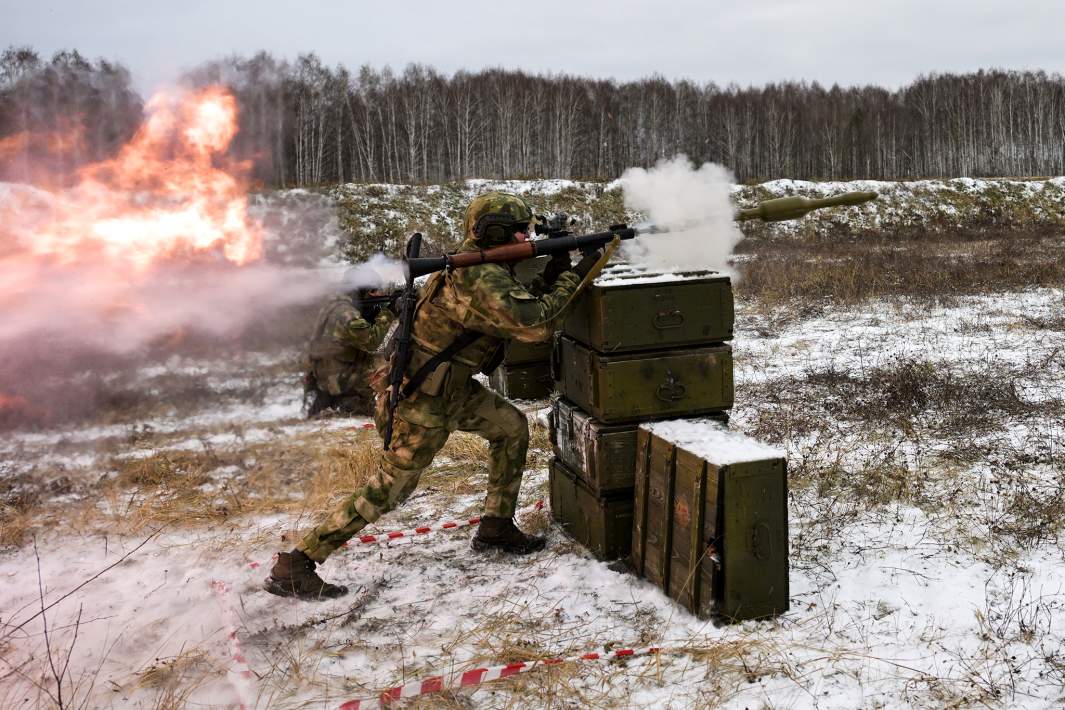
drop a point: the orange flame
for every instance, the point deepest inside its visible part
(14, 407)
(168, 193)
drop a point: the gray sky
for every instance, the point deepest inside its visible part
(748, 42)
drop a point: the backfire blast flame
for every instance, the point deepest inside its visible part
(165, 194)
(153, 241)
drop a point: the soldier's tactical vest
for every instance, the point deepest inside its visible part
(323, 347)
(435, 329)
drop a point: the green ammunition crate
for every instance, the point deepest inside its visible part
(635, 386)
(602, 523)
(629, 312)
(522, 381)
(712, 530)
(519, 353)
(602, 455)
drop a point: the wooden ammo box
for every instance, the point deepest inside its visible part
(633, 386)
(602, 455)
(602, 523)
(519, 353)
(711, 526)
(627, 309)
(522, 381)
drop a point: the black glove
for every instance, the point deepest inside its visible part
(393, 300)
(555, 266)
(585, 265)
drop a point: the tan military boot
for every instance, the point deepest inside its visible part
(503, 534)
(293, 575)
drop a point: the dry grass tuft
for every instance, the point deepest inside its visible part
(17, 524)
(164, 672)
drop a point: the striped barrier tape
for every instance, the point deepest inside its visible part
(422, 530)
(239, 673)
(477, 676)
(425, 529)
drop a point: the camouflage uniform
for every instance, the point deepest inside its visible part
(487, 299)
(341, 354)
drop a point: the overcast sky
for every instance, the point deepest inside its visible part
(748, 42)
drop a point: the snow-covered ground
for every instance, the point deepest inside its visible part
(926, 458)
(895, 604)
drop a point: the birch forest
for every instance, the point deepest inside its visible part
(304, 123)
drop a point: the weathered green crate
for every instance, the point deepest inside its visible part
(602, 523)
(634, 386)
(602, 455)
(628, 312)
(519, 353)
(522, 381)
(711, 524)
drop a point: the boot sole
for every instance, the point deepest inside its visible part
(280, 589)
(482, 546)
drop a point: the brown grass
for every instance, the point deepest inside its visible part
(302, 475)
(812, 273)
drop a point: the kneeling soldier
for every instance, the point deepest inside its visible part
(349, 329)
(463, 321)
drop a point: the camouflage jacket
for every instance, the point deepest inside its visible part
(341, 333)
(487, 299)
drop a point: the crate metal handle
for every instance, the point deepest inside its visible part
(664, 320)
(671, 390)
(761, 541)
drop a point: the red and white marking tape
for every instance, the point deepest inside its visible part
(239, 673)
(419, 531)
(426, 529)
(477, 676)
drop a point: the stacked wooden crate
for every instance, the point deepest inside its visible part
(645, 467)
(636, 347)
(710, 519)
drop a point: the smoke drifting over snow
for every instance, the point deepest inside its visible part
(74, 320)
(694, 204)
(379, 271)
(86, 305)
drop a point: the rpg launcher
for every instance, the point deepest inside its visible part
(559, 240)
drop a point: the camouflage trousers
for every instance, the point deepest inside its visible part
(422, 426)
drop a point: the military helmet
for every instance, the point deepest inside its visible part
(493, 218)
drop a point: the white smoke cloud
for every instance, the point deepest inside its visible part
(379, 271)
(694, 204)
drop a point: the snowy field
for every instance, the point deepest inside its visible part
(937, 594)
(926, 453)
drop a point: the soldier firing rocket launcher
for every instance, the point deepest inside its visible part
(558, 240)
(780, 209)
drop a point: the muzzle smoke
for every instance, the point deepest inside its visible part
(694, 204)
(379, 271)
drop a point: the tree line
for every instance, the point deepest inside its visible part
(56, 115)
(305, 123)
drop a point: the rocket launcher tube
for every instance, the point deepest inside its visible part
(520, 251)
(784, 208)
